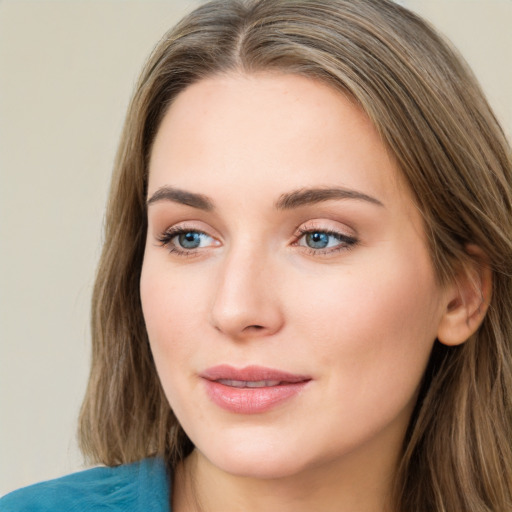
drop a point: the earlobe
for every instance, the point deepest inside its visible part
(468, 298)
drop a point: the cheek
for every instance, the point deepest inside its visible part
(368, 301)
(374, 325)
(166, 307)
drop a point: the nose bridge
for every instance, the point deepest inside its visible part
(245, 302)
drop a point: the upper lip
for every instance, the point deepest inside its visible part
(251, 374)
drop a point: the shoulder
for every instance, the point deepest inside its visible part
(141, 486)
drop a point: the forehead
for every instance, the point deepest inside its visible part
(284, 130)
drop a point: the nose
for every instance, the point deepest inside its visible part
(246, 302)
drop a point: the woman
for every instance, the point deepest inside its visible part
(304, 296)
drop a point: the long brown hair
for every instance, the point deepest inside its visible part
(433, 117)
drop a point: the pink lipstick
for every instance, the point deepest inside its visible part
(251, 390)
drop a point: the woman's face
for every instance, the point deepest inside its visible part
(287, 289)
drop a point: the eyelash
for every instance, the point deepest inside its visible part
(169, 234)
(345, 242)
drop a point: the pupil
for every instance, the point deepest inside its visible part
(190, 240)
(317, 240)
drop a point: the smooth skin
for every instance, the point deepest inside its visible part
(337, 286)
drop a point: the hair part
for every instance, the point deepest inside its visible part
(435, 121)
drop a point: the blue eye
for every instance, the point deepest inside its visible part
(189, 240)
(185, 241)
(318, 240)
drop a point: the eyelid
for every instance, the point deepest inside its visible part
(185, 225)
(326, 225)
(166, 236)
(347, 237)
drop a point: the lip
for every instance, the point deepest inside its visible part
(226, 387)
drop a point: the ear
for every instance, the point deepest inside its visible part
(468, 298)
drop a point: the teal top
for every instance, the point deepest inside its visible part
(139, 487)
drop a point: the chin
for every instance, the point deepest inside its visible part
(252, 456)
(263, 468)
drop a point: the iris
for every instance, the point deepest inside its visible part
(190, 240)
(317, 240)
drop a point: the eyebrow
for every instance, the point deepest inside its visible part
(288, 201)
(308, 196)
(177, 195)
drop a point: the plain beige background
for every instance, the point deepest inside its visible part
(67, 69)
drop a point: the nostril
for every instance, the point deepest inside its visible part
(255, 327)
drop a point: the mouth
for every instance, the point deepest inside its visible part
(251, 376)
(251, 390)
(249, 383)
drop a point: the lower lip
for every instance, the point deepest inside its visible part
(251, 400)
